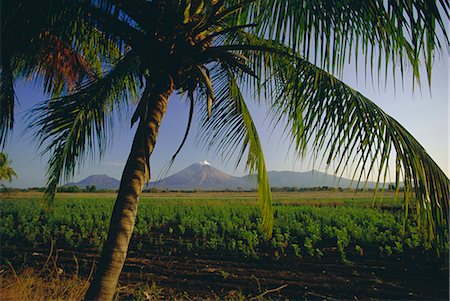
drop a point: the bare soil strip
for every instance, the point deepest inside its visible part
(210, 275)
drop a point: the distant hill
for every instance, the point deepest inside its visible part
(100, 182)
(203, 176)
(310, 179)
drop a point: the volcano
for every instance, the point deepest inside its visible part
(199, 175)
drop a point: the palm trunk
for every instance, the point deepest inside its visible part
(133, 179)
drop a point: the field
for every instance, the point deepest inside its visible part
(326, 245)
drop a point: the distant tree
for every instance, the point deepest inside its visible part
(69, 189)
(210, 51)
(394, 187)
(155, 190)
(91, 188)
(38, 189)
(6, 171)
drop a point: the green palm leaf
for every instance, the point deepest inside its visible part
(51, 43)
(230, 125)
(6, 171)
(329, 32)
(7, 101)
(342, 124)
(73, 125)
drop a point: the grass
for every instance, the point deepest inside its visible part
(52, 283)
(45, 284)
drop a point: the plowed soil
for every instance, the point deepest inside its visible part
(220, 276)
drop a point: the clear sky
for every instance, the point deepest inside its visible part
(424, 113)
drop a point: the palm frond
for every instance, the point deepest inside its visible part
(71, 125)
(188, 126)
(54, 63)
(113, 21)
(6, 171)
(206, 81)
(169, 164)
(331, 32)
(229, 126)
(7, 101)
(51, 44)
(342, 124)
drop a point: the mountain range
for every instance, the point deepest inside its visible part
(203, 176)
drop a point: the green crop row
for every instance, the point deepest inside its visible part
(227, 229)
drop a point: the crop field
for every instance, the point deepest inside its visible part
(325, 245)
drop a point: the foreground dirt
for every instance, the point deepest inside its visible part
(219, 276)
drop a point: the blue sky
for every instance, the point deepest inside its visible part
(423, 112)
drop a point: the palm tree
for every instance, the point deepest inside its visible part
(6, 171)
(287, 53)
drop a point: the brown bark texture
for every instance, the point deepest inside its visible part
(135, 174)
